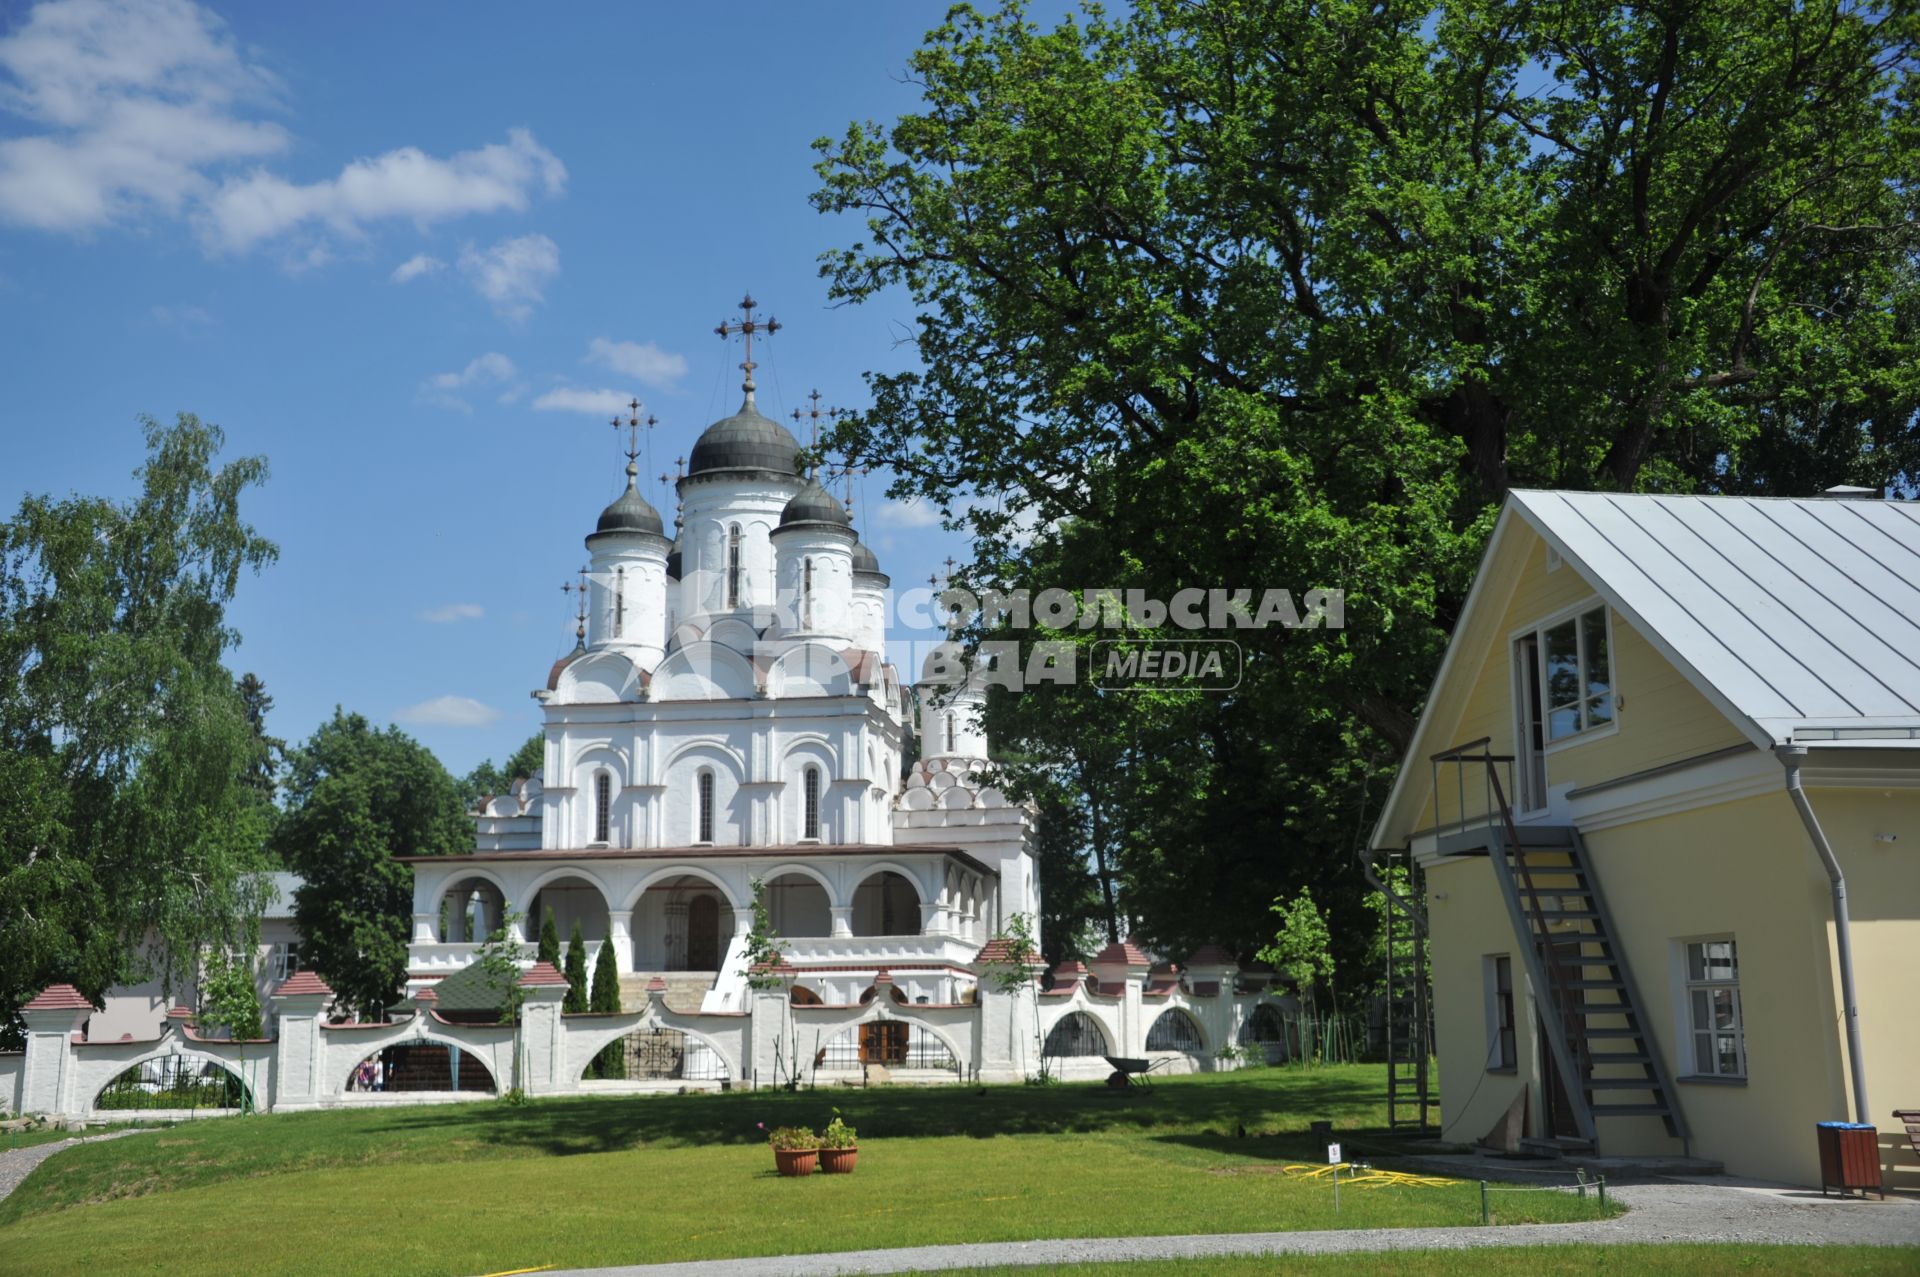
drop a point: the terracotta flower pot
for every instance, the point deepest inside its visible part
(795, 1161)
(838, 1161)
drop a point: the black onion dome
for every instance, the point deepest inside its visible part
(863, 559)
(673, 560)
(630, 512)
(814, 504)
(744, 441)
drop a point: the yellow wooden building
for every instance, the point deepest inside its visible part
(1666, 793)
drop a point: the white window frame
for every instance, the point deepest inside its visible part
(1539, 630)
(602, 809)
(810, 803)
(703, 804)
(1690, 1030)
(285, 954)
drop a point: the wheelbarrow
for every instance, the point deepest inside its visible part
(1131, 1071)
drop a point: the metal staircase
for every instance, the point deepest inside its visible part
(1588, 1005)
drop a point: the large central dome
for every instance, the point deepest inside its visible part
(744, 441)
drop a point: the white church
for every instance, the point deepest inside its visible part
(727, 718)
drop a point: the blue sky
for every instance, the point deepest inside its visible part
(404, 251)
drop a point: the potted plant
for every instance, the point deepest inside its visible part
(795, 1149)
(839, 1147)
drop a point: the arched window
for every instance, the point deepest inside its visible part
(703, 818)
(810, 799)
(1175, 1031)
(619, 600)
(1077, 1034)
(602, 806)
(949, 721)
(733, 566)
(806, 594)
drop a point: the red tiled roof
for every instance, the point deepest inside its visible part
(179, 1013)
(543, 975)
(1164, 969)
(59, 997)
(657, 985)
(426, 995)
(1124, 951)
(303, 982)
(1211, 955)
(883, 977)
(1112, 988)
(1000, 949)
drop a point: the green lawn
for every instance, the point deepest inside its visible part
(484, 1187)
(1522, 1261)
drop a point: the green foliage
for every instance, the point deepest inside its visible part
(838, 1134)
(1015, 974)
(576, 971)
(129, 837)
(268, 750)
(763, 943)
(792, 1139)
(1303, 948)
(611, 1062)
(549, 950)
(498, 961)
(1289, 296)
(356, 798)
(228, 999)
(487, 780)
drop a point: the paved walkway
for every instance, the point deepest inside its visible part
(1719, 1210)
(16, 1162)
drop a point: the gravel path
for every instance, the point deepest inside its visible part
(1695, 1211)
(15, 1163)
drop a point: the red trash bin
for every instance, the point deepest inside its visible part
(1850, 1158)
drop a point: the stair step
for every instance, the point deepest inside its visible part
(1631, 1110)
(1563, 915)
(1610, 1033)
(1620, 1057)
(1593, 984)
(1620, 1084)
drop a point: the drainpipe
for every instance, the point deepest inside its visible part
(1792, 756)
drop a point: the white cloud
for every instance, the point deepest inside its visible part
(490, 369)
(645, 362)
(406, 183)
(448, 613)
(136, 109)
(448, 711)
(416, 266)
(578, 399)
(911, 513)
(134, 103)
(513, 273)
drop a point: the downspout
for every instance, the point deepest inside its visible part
(1791, 756)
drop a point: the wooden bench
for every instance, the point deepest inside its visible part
(1911, 1119)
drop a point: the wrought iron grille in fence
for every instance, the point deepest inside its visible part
(668, 1055)
(1175, 1031)
(1077, 1034)
(896, 1044)
(174, 1082)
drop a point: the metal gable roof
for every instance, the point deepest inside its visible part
(1801, 618)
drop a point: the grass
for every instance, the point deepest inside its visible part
(50, 1135)
(1725, 1260)
(485, 1187)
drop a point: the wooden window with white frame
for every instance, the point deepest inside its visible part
(1714, 1020)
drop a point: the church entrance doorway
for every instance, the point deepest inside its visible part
(703, 934)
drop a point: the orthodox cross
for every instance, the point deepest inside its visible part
(580, 617)
(814, 415)
(847, 470)
(746, 327)
(679, 473)
(632, 424)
